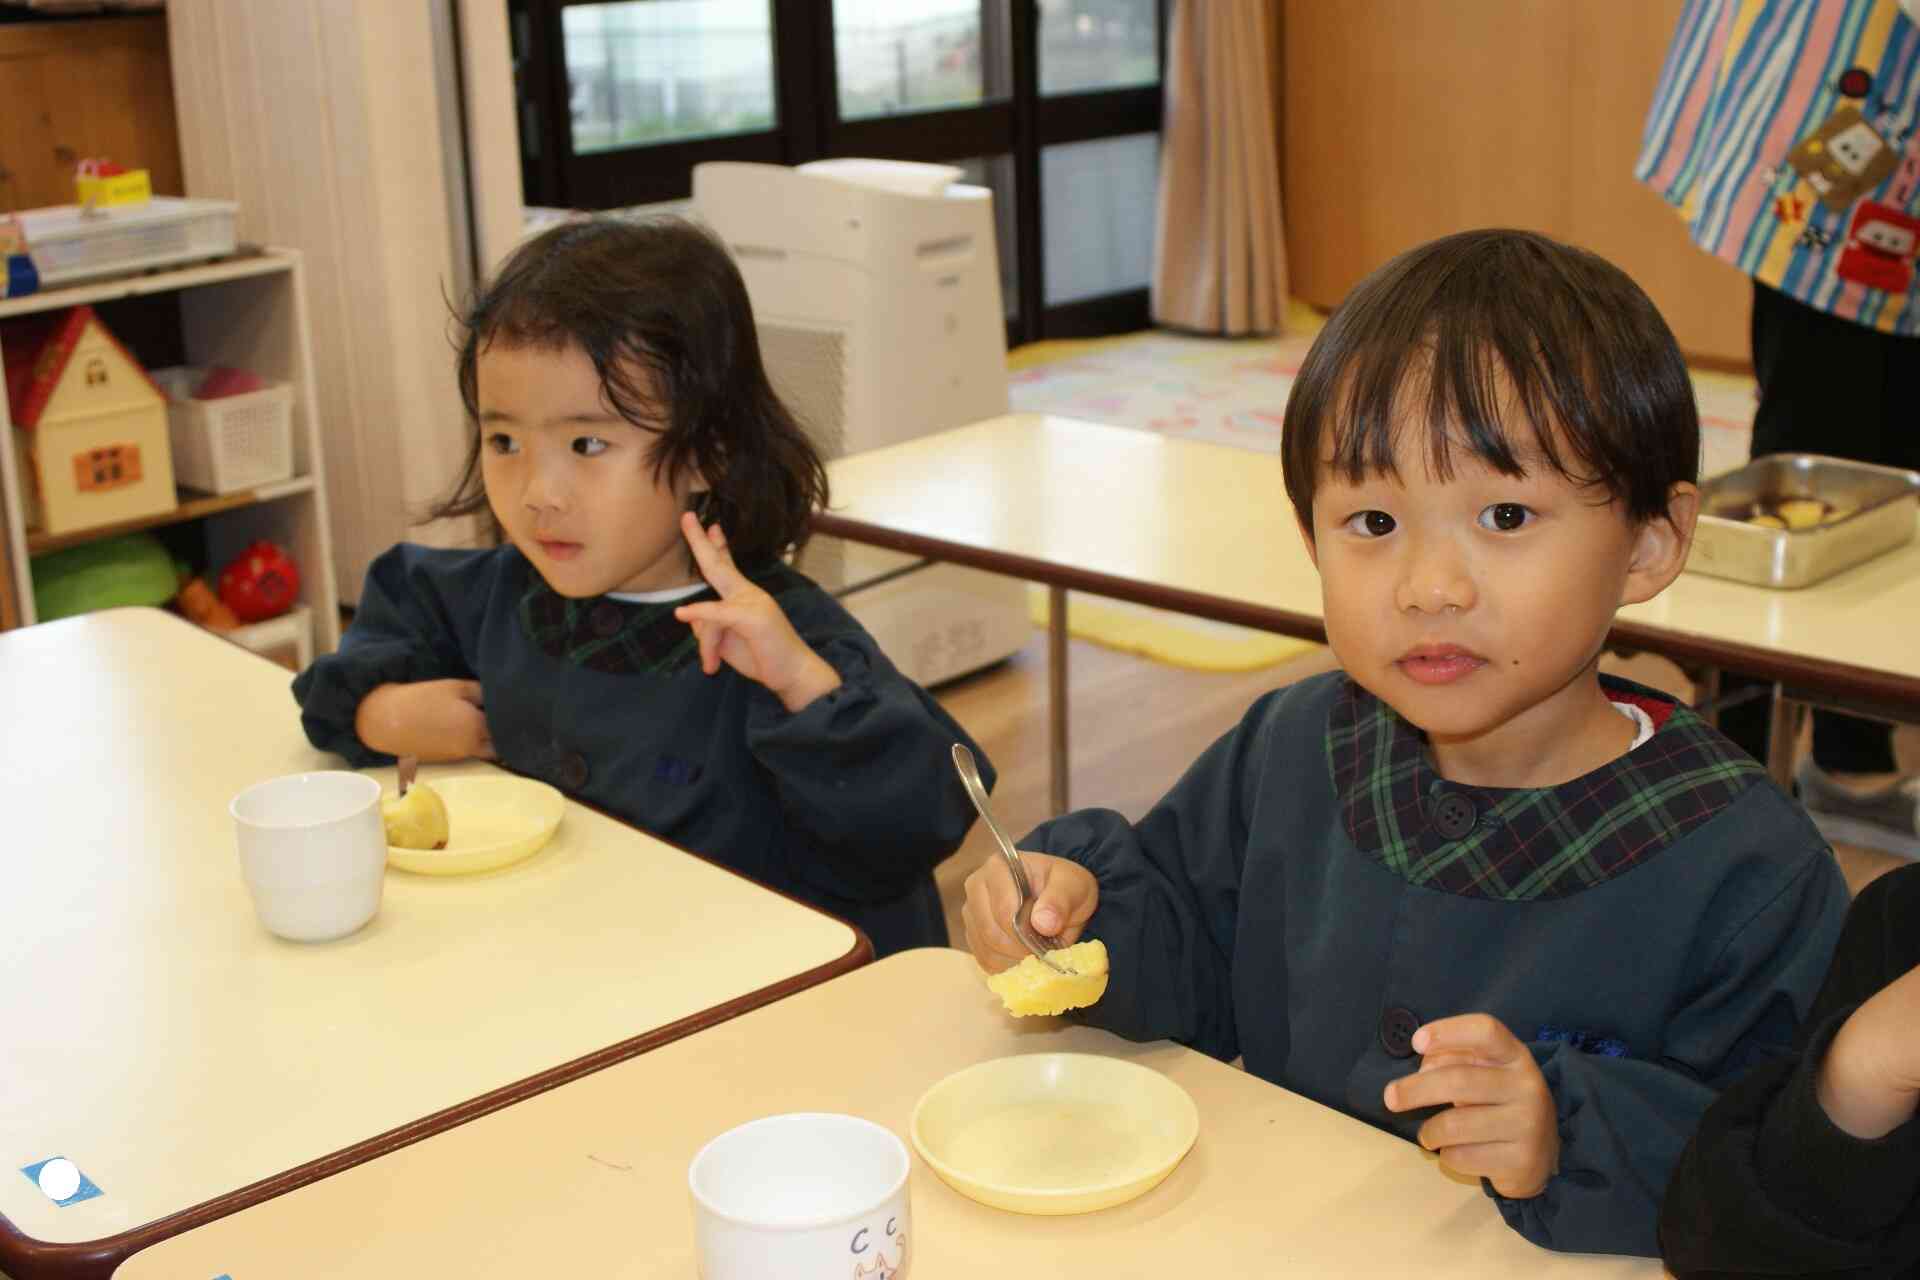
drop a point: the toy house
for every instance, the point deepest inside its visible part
(90, 426)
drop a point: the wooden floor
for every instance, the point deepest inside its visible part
(1137, 724)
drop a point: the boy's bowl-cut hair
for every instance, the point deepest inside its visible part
(661, 310)
(1466, 329)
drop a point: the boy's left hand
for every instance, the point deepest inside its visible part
(1500, 1123)
(746, 628)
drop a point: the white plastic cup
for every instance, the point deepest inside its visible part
(313, 852)
(805, 1196)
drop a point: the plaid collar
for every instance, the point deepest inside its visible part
(1515, 845)
(625, 637)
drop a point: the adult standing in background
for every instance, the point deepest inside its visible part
(1787, 134)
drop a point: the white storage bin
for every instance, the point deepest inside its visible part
(234, 442)
(66, 246)
(287, 639)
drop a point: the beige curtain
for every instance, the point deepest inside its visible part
(1220, 264)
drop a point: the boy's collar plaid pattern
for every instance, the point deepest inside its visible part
(625, 637)
(1530, 843)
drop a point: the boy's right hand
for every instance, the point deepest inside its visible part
(437, 720)
(1869, 1084)
(1065, 894)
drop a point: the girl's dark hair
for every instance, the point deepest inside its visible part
(662, 312)
(1468, 327)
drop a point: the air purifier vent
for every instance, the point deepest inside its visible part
(808, 369)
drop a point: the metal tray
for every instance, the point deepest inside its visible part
(1872, 511)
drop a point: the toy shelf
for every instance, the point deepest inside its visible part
(247, 310)
(244, 263)
(192, 506)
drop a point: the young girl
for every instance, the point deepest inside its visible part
(637, 640)
(1810, 1166)
(1467, 889)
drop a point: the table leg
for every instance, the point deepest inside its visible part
(1783, 731)
(1706, 692)
(1057, 694)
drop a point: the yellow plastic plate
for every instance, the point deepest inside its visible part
(1054, 1133)
(491, 821)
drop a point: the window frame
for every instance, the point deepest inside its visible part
(1021, 125)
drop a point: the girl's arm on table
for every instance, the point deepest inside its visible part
(406, 644)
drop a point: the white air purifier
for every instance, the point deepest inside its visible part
(876, 290)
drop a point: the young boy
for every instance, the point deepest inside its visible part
(1468, 890)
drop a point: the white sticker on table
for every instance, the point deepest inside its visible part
(60, 1180)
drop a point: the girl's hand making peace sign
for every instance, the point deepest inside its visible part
(746, 628)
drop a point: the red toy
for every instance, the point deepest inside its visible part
(1881, 246)
(262, 582)
(223, 381)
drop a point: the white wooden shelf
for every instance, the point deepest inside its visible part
(239, 265)
(193, 506)
(247, 310)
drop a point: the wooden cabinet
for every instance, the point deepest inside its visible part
(69, 90)
(1404, 120)
(248, 311)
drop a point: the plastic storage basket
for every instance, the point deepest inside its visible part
(234, 442)
(67, 246)
(287, 639)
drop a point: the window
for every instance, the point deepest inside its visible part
(643, 71)
(1098, 44)
(892, 56)
(1052, 104)
(1100, 198)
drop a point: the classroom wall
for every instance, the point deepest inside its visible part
(324, 119)
(1403, 120)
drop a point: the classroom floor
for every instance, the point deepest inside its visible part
(1136, 725)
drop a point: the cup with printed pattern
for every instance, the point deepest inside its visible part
(804, 1196)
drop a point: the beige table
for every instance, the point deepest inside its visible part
(590, 1179)
(1207, 529)
(190, 1063)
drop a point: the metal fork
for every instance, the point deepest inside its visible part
(1038, 943)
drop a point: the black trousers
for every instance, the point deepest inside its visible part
(1835, 387)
